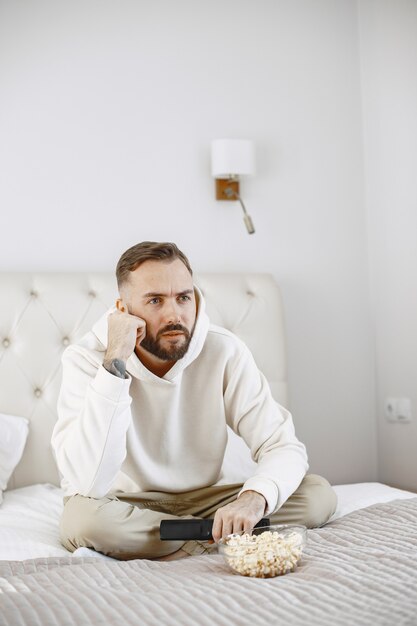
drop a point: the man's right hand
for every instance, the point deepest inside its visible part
(125, 331)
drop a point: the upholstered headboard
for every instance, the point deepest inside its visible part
(41, 313)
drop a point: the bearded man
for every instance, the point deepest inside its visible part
(143, 410)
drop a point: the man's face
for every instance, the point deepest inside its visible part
(162, 294)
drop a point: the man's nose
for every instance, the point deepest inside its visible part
(172, 312)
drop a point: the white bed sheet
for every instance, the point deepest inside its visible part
(29, 523)
(29, 516)
(360, 495)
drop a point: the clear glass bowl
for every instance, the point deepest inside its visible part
(264, 552)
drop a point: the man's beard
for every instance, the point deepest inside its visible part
(174, 353)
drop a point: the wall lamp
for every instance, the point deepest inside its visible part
(231, 158)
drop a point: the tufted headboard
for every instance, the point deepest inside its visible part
(41, 313)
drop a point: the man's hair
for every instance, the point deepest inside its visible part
(147, 251)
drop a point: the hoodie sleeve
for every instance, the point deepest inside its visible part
(89, 438)
(268, 430)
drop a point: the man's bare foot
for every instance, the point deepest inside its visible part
(179, 554)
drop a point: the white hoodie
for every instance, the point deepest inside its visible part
(146, 433)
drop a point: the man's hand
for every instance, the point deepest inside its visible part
(125, 331)
(240, 515)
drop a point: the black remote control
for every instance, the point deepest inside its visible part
(192, 528)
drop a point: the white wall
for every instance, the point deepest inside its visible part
(107, 112)
(389, 53)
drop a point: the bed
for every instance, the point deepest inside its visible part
(358, 569)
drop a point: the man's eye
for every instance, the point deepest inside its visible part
(184, 298)
(154, 301)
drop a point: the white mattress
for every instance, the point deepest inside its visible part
(29, 517)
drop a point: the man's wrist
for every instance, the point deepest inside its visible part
(117, 367)
(254, 494)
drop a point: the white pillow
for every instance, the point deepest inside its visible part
(13, 435)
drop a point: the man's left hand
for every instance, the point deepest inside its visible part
(240, 515)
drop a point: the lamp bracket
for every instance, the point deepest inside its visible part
(224, 183)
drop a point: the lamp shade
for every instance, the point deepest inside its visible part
(232, 157)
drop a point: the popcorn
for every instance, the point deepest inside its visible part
(265, 555)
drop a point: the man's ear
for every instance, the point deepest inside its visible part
(121, 305)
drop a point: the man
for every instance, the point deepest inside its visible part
(142, 414)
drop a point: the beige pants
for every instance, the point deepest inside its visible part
(126, 526)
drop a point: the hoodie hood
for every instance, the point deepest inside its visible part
(136, 368)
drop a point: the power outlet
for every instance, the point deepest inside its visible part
(398, 410)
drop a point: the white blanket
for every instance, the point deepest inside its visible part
(358, 570)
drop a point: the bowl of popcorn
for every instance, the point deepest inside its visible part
(266, 551)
